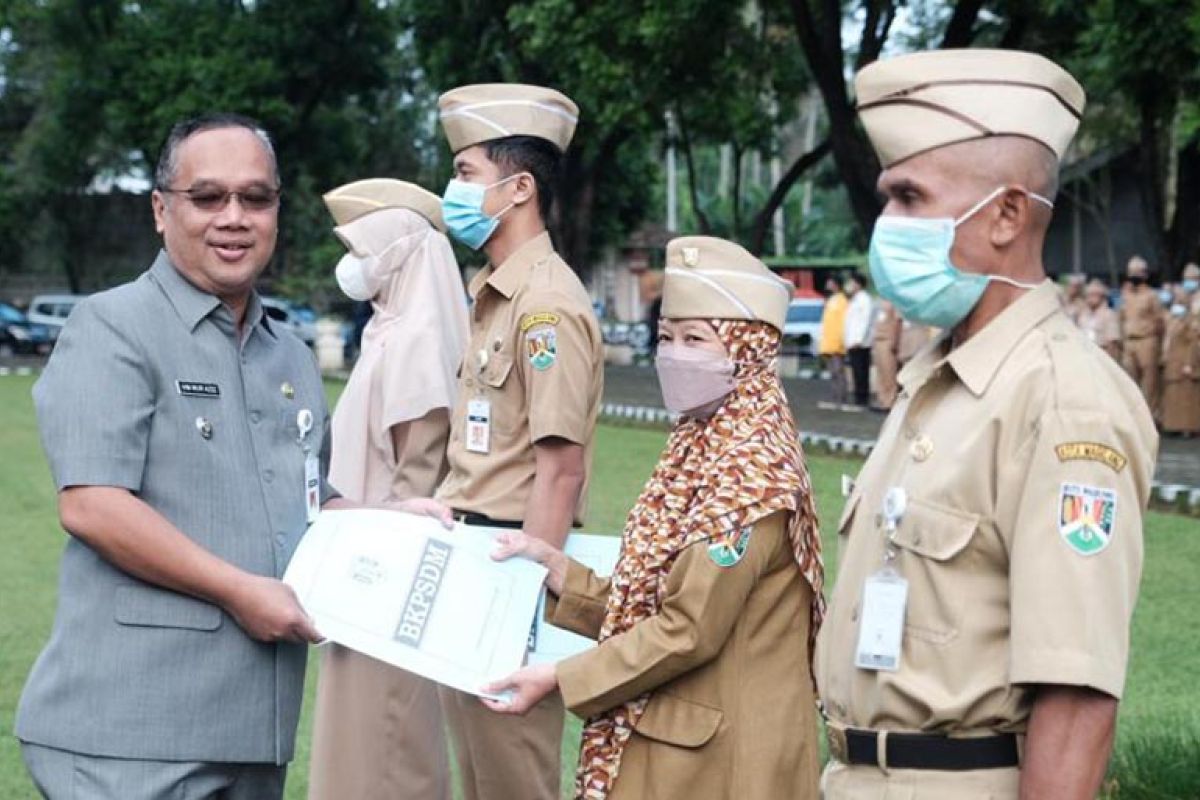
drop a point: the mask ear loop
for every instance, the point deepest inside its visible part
(973, 210)
(510, 206)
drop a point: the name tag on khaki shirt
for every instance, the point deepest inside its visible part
(881, 630)
(479, 425)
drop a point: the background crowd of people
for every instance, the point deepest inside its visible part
(1154, 333)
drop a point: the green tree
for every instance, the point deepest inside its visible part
(92, 86)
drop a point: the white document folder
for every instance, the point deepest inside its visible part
(597, 552)
(405, 590)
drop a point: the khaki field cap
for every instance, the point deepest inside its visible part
(348, 203)
(710, 278)
(921, 101)
(483, 112)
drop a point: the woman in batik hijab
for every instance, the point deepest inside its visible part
(701, 686)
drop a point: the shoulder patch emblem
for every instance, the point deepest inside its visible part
(1087, 516)
(1091, 451)
(731, 547)
(540, 318)
(542, 348)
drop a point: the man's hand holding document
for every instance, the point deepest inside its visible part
(407, 591)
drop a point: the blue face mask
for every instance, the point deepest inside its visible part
(1165, 296)
(911, 267)
(462, 211)
(1190, 285)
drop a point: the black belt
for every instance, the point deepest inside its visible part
(484, 521)
(926, 751)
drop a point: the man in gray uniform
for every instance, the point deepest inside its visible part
(187, 435)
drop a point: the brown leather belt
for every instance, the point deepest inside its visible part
(894, 750)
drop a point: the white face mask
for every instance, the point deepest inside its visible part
(356, 277)
(361, 277)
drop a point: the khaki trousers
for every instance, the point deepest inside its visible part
(886, 367)
(1140, 358)
(843, 782)
(378, 733)
(503, 757)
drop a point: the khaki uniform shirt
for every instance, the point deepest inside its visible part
(1026, 455)
(1141, 313)
(731, 710)
(536, 358)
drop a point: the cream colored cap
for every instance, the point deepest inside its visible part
(710, 278)
(921, 101)
(486, 111)
(349, 202)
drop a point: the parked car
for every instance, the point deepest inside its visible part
(301, 319)
(52, 310)
(19, 336)
(802, 330)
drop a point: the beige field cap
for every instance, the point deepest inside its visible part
(917, 102)
(349, 202)
(483, 112)
(710, 278)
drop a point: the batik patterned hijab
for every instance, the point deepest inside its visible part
(715, 477)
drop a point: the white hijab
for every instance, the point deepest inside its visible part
(411, 347)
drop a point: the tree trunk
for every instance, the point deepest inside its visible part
(820, 39)
(693, 189)
(1150, 178)
(762, 221)
(960, 29)
(1183, 238)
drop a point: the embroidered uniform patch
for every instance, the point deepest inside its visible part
(542, 347)
(1091, 451)
(1087, 516)
(730, 549)
(540, 318)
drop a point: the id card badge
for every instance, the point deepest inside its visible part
(479, 425)
(312, 486)
(881, 628)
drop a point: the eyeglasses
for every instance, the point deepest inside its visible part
(215, 199)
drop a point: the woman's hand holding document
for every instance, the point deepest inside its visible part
(405, 590)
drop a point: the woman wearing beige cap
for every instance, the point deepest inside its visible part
(701, 685)
(372, 732)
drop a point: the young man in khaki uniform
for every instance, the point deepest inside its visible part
(991, 547)
(885, 348)
(1099, 322)
(529, 389)
(1141, 330)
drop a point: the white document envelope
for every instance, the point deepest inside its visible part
(597, 552)
(403, 589)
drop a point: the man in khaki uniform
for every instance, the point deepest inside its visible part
(1099, 322)
(1191, 285)
(1141, 330)
(885, 348)
(1073, 300)
(529, 389)
(991, 547)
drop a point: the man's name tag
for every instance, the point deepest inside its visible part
(881, 630)
(312, 487)
(479, 425)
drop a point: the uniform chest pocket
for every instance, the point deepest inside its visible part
(930, 540)
(498, 368)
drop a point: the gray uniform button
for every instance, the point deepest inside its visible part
(255, 417)
(268, 475)
(280, 538)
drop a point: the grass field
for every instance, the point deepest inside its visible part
(1158, 754)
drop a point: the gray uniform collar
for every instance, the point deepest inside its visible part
(192, 304)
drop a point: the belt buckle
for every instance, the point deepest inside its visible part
(836, 738)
